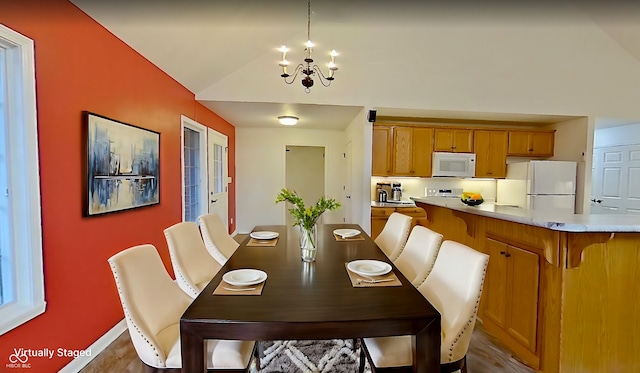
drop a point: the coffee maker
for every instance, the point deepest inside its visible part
(396, 191)
(384, 191)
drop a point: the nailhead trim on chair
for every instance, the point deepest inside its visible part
(187, 282)
(471, 318)
(160, 363)
(405, 237)
(209, 243)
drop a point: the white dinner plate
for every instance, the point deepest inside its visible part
(346, 233)
(264, 235)
(244, 277)
(369, 267)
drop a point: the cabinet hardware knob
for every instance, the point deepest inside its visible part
(507, 255)
(503, 252)
(214, 200)
(530, 149)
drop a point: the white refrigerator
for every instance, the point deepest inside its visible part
(539, 185)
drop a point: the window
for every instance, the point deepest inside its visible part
(21, 277)
(194, 170)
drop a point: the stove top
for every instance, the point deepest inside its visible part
(447, 193)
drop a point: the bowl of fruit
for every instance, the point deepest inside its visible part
(471, 199)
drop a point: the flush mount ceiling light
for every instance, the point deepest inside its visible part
(307, 68)
(288, 120)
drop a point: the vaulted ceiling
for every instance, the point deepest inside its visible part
(224, 51)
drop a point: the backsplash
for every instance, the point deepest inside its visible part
(414, 186)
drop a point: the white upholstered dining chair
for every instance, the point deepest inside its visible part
(453, 287)
(153, 304)
(419, 254)
(192, 264)
(394, 234)
(216, 237)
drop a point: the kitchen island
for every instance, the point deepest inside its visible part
(562, 291)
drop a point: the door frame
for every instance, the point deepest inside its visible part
(191, 124)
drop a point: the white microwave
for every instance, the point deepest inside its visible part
(454, 164)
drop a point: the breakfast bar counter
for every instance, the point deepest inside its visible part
(562, 290)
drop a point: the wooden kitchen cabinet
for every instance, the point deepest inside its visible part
(380, 215)
(456, 140)
(531, 143)
(512, 293)
(491, 153)
(381, 152)
(411, 151)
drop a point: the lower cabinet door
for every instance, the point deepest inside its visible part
(495, 307)
(524, 278)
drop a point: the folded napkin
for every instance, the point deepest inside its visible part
(354, 238)
(358, 281)
(265, 243)
(220, 290)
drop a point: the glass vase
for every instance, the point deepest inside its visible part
(308, 243)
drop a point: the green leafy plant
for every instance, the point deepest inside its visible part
(306, 216)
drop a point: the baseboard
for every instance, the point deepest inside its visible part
(97, 347)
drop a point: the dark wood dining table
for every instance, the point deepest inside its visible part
(310, 300)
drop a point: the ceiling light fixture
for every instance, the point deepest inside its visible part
(288, 120)
(307, 68)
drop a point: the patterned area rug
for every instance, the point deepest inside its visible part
(307, 356)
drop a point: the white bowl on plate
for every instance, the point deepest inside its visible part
(346, 233)
(369, 267)
(244, 277)
(264, 235)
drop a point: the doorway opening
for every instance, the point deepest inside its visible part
(304, 174)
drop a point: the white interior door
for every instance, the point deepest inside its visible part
(218, 170)
(616, 180)
(346, 200)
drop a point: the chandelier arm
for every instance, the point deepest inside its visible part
(321, 76)
(295, 74)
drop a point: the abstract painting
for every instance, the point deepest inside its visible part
(123, 166)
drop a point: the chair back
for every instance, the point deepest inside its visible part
(151, 302)
(394, 234)
(216, 238)
(454, 287)
(419, 254)
(192, 264)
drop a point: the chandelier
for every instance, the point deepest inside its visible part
(308, 69)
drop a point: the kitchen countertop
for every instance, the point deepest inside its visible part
(549, 220)
(403, 203)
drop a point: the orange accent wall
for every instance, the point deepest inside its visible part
(82, 66)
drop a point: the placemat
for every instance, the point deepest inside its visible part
(265, 243)
(358, 281)
(220, 290)
(354, 238)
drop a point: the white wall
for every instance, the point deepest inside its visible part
(545, 64)
(571, 144)
(359, 133)
(260, 172)
(615, 136)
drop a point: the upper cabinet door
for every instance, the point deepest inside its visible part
(381, 152)
(453, 140)
(422, 151)
(531, 143)
(491, 153)
(402, 151)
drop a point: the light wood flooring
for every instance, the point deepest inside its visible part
(486, 354)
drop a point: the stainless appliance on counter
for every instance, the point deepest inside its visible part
(384, 191)
(396, 191)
